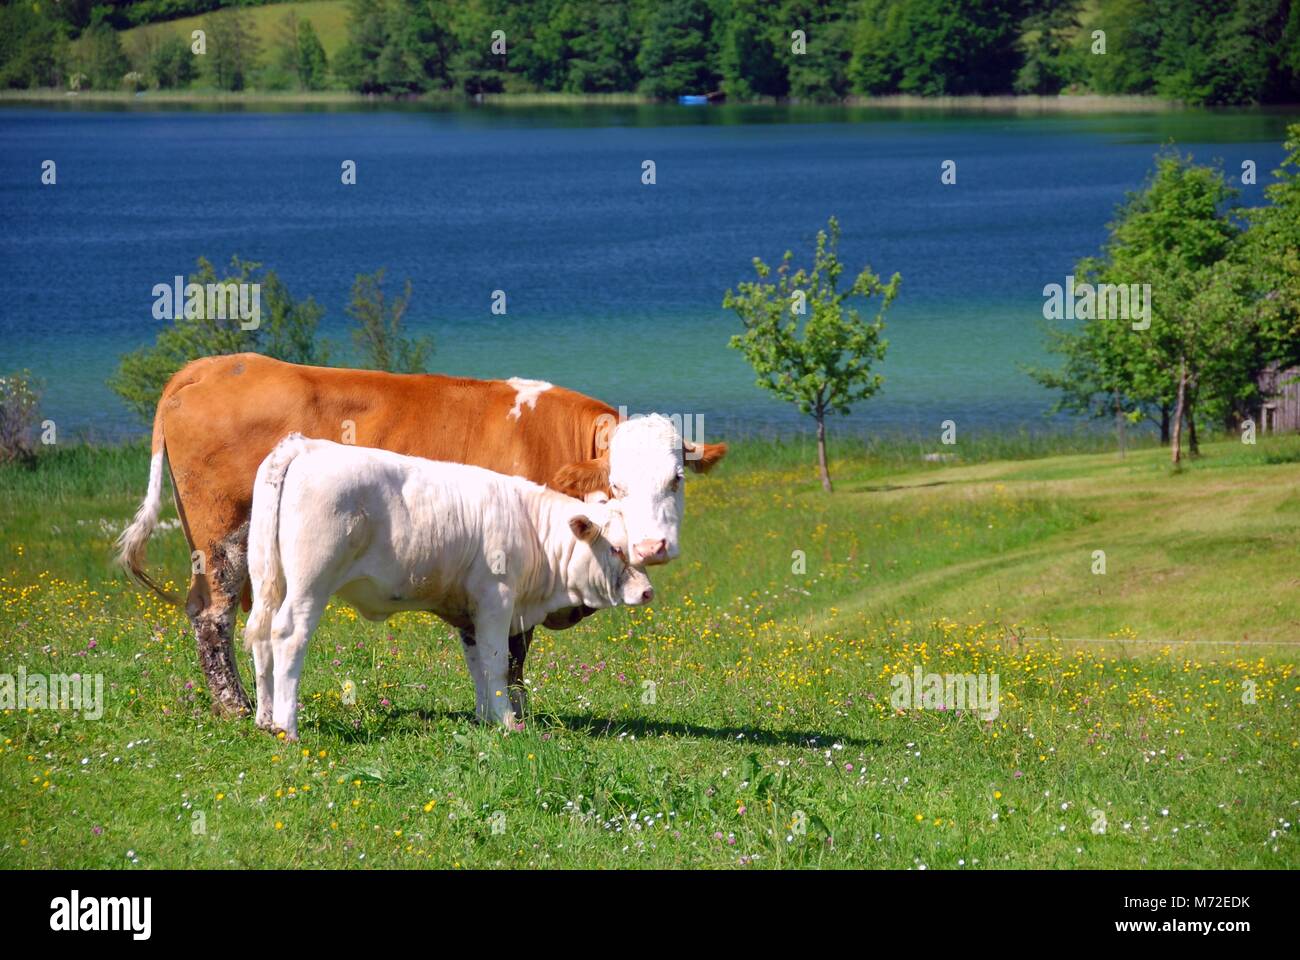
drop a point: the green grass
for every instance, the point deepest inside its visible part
(1162, 694)
(329, 18)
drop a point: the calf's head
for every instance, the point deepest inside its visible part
(599, 572)
(643, 468)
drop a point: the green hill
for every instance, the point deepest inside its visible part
(328, 17)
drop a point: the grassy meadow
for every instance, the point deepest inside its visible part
(329, 18)
(1148, 715)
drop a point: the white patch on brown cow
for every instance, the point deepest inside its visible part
(526, 392)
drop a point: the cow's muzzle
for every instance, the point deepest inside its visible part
(650, 552)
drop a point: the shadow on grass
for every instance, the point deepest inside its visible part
(642, 727)
(891, 487)
(603, 728)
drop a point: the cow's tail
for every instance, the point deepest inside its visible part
(265, 571)
(131, 543)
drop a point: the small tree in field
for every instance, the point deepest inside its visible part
(806, 346)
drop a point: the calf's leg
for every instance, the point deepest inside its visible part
(264, 666)
(491, 629)
(469, 647)
(519, 644)
(290, 631)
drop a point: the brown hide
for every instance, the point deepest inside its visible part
(220, 416)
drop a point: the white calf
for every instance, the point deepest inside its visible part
(388, 533)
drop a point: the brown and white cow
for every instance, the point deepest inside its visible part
(219, 417)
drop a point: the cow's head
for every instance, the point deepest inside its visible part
(643, 467)
(599, 573)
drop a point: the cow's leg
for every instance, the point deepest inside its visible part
(290, 631)
(519, 644)
(212, 606)
(491, 638)
(469, 647)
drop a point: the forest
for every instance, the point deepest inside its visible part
(1202, 52)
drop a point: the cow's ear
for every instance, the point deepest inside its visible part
(579, 479)
(583, 528)
(702, 457)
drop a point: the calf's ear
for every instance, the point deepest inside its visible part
(579, 479)
(583, 528)
(703, 457)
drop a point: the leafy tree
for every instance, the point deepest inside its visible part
(1050, 58)
(748, 58)
(32, 47)
(1270, 248)
(1165, 236)
(541, 49)
(281, 73)
(1172, 235)
(232, 48)
(475, 68)
(171, 63)
(937, 47)
(807, 347)
(822, 73)
(357, 63)
(75, 13)
(287, 332)
(1215, 53)
(603, 58)
(422, 30)
(312, 66)
(674, 56)
(378, 335)
(1095, 378)
(1199, 51)
(394, 73)
(98, 54)
(1131, 34)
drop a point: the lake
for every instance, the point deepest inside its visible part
(614, 287)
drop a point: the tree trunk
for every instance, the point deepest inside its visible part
(1164, 425)
(1175, 443)
(1193, 447)
(821, 453)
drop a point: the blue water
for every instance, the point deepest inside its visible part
(614, 288)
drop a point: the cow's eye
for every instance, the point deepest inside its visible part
(618, 490)
(675, 485)
(618, 552)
